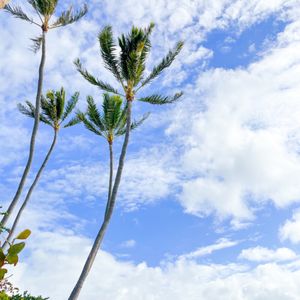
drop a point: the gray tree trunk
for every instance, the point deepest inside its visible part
(37, 177)
(33, 134)
(110, 207)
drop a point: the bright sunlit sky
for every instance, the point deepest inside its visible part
(209, 202)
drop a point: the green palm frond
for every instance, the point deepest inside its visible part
(165, 63)
(29, 111)
(111, 110)
(94, 114)
(159, 100)
(74, 121)
(108, 49)
(70, 106)
(37, 43)
(60, 97)
(134, 125)
(44, 7)
(69, 17)
(90, 78)
(88, 124)
(18, 13)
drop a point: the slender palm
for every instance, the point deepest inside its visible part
(45, 9)
(128, 67)
(54, 113)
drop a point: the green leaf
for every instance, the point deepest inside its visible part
(165, 63)
(16, 248)
(69, 17)
(23, 235)
(160, 100)
(2, 255)
(2, 273)
(12, 259)
(91, 79)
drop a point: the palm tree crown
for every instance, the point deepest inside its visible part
(111, 121)
(55, 110)
(45, 9)
(129, 65)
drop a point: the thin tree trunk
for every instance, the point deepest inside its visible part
(111, 174)
(33, 134)
(37, 177)
(111, 203)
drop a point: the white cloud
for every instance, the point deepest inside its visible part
(57, 258)
(128, 244)
(241, 141)
(290, 230)
(222, 243)
(262, 254)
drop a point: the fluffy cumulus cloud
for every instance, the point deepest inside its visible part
(228, 149)
(261, 254)
(243, 143)
(290, 229)
(56, 260)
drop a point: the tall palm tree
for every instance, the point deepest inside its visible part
(45, 10)
(109, 124)
(128, 67)
(54, 113)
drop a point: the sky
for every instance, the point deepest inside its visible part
(208, 206)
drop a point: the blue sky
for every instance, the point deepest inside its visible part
(209, 202)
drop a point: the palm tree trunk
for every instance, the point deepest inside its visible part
(33, 134)
(37, 177)
(110, 207)
(111, 174)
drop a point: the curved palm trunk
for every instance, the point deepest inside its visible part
(109, 210)
(33, 134)
(37, 177)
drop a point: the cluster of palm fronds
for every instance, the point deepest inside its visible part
(126, 60)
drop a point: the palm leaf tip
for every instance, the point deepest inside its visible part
(93, 80)
(165, 63)
(70, 16)
(160, 100)
(17, 12)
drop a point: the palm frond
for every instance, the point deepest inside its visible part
(134, 125)
(60, 97)
(44, 7)
(29, 111)
(75, 120)
(69, 17)
(18, 13)
(160, 100)
(91, 79)
(70, 105)
(37, 42)
(81, 116)
(108, 49)
(94, 114)
(165, 63)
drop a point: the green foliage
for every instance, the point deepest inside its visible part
(128, 65)
(45, 9)
(26, 296)
(11, 257)
(54, 108)
(111, 121)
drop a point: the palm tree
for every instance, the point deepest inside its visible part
(54, 113)
(109, 124)
(128, 67)
(45, 9)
